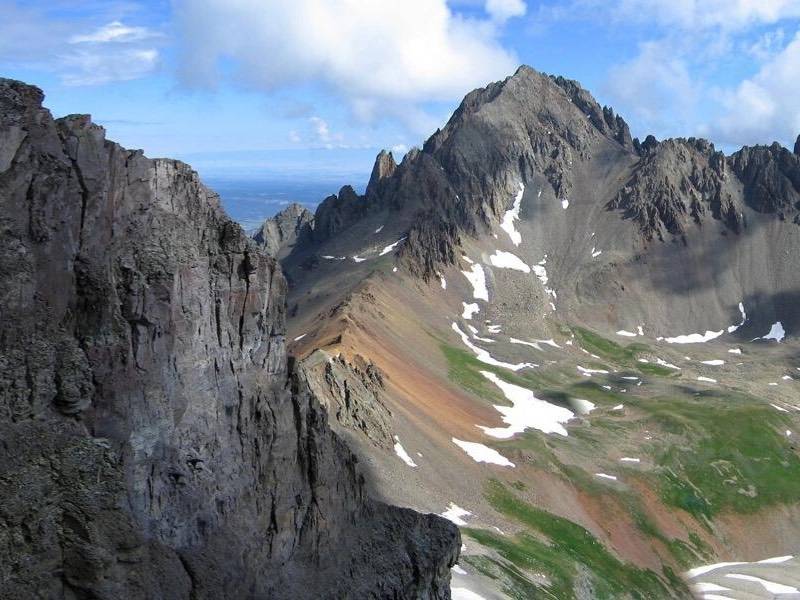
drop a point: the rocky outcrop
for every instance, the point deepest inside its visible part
(678, 183)
(155, 442)
(337, 212)
(278, 234)
(383, 168)
(797, 146)
(770, 176)
(352, 393)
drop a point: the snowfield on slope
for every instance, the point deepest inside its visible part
(526, 412)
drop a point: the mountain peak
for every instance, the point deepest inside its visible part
(797, 146)
(384, 167)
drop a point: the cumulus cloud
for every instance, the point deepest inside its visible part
(678, 83)
(379, 55)
(656, 86)
(763, 107)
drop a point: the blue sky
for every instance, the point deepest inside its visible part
(243, 88)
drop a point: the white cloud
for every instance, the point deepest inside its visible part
(105, 66)
(113, 32)
(764, 107)
(379, 55)
(502, 10)
(655, 87)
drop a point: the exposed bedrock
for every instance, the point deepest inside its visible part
(155, 442)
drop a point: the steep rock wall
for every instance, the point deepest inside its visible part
(154, 440)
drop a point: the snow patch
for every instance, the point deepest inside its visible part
(481, 453)
(770, 586)
(630, 460)
(733, 328)
(535, 343)
(455, 514)
(624, 333)
(512, 215)
(358, 259)
(734, 350)
(300, 337)
(379, 229)
(565, 204)
(706, 379)
(477, 278)
(596, 253)
(469, 310)
(483, 356)
(507, 260)
(605, 476)
(713, 363)
(695, 338)
(391, 247)
(697, 571)
(458, 570)
(401, 452)
(582, 407)
(663, 363)
(443, 282)
(776, 333)
(527, 411)
(590, 372)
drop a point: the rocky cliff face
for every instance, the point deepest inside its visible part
(156, 442)
(280, 233)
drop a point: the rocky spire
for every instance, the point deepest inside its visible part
(797, 146)
(384, 167)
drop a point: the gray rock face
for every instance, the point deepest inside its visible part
(797, 146)
(675, 184)
(279, 234)
(154, 440)
(384, 167)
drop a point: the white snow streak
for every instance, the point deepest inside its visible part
(391, 247)
(513, 215)
(481, 453)
(401, 452)
(483, 356)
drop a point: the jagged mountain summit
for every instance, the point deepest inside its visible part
(586, 342)
(155, 440)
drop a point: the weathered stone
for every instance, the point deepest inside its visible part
(154, 441)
